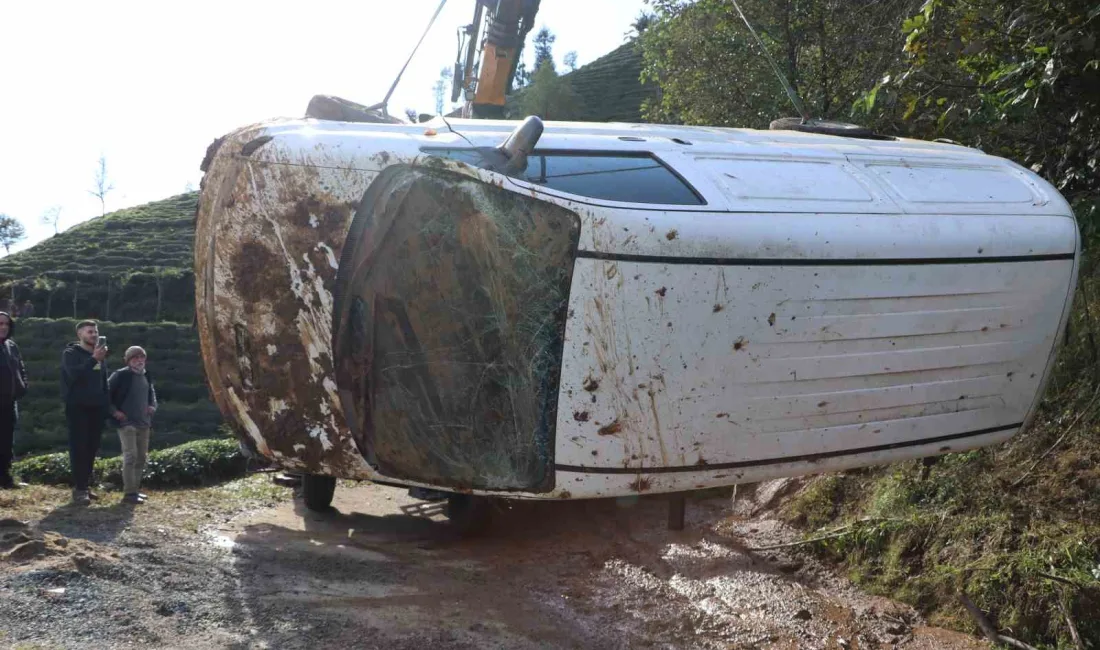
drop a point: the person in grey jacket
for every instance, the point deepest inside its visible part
(84, 392)
(133, 401)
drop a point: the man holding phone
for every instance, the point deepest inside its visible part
(84, 392)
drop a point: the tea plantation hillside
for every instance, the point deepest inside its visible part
(134, 267)
(186, 412)
(129, 266)
(609, 89)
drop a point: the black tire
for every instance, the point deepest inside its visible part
(318, 491)
(469, 514)
(823, 127)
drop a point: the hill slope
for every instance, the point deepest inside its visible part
(610, 88)
(113, 267)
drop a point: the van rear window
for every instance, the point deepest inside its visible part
(620, 176)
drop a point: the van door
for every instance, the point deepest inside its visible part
(449, 317)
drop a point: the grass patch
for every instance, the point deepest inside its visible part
(965, 526)
(186, 510)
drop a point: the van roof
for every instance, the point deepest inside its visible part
(733, 169)
(666, 133)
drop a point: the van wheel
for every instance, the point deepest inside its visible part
(469, 514)
(318, 491)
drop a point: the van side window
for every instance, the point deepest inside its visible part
(620, 176)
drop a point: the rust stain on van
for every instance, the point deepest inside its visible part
(611, 429)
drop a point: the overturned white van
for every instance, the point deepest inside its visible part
(611, 309)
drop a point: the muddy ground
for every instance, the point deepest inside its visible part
(246, 566)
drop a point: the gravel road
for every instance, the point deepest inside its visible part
(246, 566)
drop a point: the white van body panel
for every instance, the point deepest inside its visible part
(831, 303)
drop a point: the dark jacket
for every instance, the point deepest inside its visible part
(12, 362)
(118, 385)
(83, 379)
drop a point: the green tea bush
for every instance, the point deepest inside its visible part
(201, 462)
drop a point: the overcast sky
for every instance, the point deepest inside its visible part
(149, 85)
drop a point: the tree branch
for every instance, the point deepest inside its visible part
(804, 542)
(1069, 430)
(1072, 626)
(987, 628)
(1065, 581)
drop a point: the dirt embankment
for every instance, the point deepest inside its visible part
(243, 566)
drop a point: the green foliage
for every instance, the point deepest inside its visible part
(11, 232)
(711, 70)
(1019, 80)
(202, 462)
(550, 96)
(610, 88)
(111, 266)
(544, 44)
(969, 525)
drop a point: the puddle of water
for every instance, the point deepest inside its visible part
(219, 541)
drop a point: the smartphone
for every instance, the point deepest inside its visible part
(102, 342)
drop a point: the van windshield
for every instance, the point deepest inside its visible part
(620, 176)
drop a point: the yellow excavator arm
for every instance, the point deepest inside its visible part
(484, 71)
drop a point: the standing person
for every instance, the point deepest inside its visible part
(13, 386)
(133, 401)
(28, 310)
(84, 391)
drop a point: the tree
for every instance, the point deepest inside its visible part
(570, 60)
(711, 70)
(550, 96)
(162, 275)
(52, 217)
(1020, 80)
(102, 186)
(522, 78)
(441, 88)
(544, 43)
(11, 232)
(640, 24)
(50, 286)
(112, 282)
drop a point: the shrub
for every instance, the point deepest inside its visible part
(195, 463)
